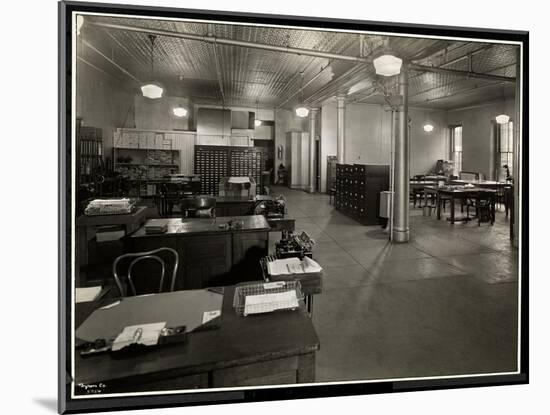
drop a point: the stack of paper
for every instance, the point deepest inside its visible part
(265, 303)
(292, 266)
(156, 226)
(146, 334)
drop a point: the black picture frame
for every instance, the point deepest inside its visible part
(67, 404)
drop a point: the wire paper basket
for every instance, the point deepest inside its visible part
(266, 300)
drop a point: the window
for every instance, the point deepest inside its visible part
(456, 149)
(505, 150)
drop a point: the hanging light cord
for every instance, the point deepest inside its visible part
(152, 39)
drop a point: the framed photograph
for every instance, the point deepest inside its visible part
(265, 207)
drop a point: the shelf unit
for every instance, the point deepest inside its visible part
(89, 153)
(144, 158)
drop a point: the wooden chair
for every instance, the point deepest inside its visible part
(482, 204)
(199, 207)
(140, 258)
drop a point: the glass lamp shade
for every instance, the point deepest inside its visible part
(179, 112)
(152, 90)
(257, 122)
(428, 128)
(502, 119)
(387, 65)
(302, 112)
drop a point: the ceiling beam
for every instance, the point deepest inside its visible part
(467, 74)
(231, 42)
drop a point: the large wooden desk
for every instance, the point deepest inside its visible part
(209, 255)
(274, 348)
(461, 194)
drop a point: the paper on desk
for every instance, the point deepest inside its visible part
(292, 266)
(87, 294)
(281, 266)
(210, 315)
(310, 265)
(239, 180)
(265, 303)
(149, 335)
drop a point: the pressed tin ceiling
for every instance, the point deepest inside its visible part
(210, 73)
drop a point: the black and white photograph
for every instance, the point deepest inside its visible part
(260, 207)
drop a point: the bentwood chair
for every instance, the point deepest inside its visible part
(138, 286)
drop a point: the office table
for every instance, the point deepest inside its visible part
(264, 349)
(459, 193)
(210, 255)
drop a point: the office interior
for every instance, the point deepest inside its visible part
(276, 205)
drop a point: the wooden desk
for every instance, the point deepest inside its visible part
(86, 227)
(274, 348)
(209, 255)
(461, 194)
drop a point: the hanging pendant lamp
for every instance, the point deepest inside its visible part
(152, 90)
(302, 111)
(257, 121)
(387, 64)
(180, 111)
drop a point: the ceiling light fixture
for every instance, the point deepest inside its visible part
(387, 64)
(179, 111)
(302, 111)
(502, 119)
(152, 90)
(428, 128)
(257, 121)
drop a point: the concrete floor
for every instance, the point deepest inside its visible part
(443, 304)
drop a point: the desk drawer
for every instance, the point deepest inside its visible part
(273, 372)
(198, 381)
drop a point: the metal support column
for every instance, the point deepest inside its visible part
(340, 121)
(401, 195)
(517, 151)
(312, 133)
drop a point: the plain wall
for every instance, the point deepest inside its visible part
(102, 103)
(427, 147)
(478, 150)
(285, 121)
(156, 114)
(366, 138)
